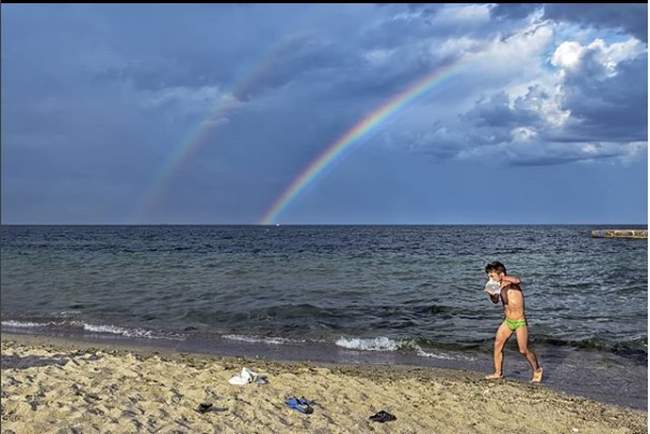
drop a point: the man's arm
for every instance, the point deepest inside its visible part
(511, 279)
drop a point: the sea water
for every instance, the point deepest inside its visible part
(412, 294)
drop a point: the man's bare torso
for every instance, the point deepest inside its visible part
(513, 302)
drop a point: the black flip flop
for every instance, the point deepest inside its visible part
(382, 416)
(206, 408)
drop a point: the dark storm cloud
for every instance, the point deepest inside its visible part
(609, 108)
(513, 11)
(496, 112)
(601, 108)
(629, 18)
(430, 23)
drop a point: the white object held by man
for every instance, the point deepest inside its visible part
(493, 287)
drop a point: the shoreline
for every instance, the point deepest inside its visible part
(603, 377)
(74, 344)
(69, 383)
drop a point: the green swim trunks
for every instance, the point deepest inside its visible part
(514, 324)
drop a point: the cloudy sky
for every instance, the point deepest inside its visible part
(207, 113)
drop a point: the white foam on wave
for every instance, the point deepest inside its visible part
(94, 328)
(122, 331)
(68, 313)
(386, 344)
(442, 355)
(116, 330)
(263, 340)
(368, 344)
(23, 324)
(420, 352)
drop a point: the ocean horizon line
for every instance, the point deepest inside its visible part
(324, 224)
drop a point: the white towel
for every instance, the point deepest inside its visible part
(247, 376)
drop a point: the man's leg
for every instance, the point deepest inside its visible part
(522, 342)
(503, 333)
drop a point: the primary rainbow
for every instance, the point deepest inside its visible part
(354, 134)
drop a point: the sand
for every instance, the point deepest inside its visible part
(55, 386)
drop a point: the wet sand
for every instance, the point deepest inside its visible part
(56, 385)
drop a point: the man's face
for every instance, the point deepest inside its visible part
(495, 276)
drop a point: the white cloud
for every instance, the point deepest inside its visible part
(567, 55)
(211, 106)
(518, 57)
(473, 13)
(454, 46)
(611, 55)
(209, 101)
(631, 150)
(407, 16)
(546, 101)
(529, 118)
(523, 134)
(183, 95)
(590, 148)
(378, 56)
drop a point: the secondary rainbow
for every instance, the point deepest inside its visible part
(196, 137)
(360, 130)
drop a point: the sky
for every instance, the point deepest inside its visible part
(324, 114)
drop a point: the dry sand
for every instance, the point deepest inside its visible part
(55, 386)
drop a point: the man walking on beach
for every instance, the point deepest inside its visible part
(515, 321)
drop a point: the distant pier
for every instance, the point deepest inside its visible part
(641, 234)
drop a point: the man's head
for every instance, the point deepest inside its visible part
(495, 270)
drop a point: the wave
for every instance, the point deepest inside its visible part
(80, 326)
(24, 324)
(116, 330)
(383, 343)
(68, 313)
(264, 340)
(636, 349)
(368, 344)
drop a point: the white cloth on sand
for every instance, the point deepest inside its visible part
(247, 376)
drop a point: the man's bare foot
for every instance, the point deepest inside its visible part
(537, 375)
(494, 377)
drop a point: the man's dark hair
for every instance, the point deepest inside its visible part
(495, 266)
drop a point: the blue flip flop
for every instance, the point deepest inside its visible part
(301, 404)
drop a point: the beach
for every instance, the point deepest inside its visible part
(61, 385)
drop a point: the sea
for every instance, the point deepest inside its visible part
(405, 294)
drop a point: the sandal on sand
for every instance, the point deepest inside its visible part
(301, 404)
(382, 416)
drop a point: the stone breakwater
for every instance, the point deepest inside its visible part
(620, 233)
